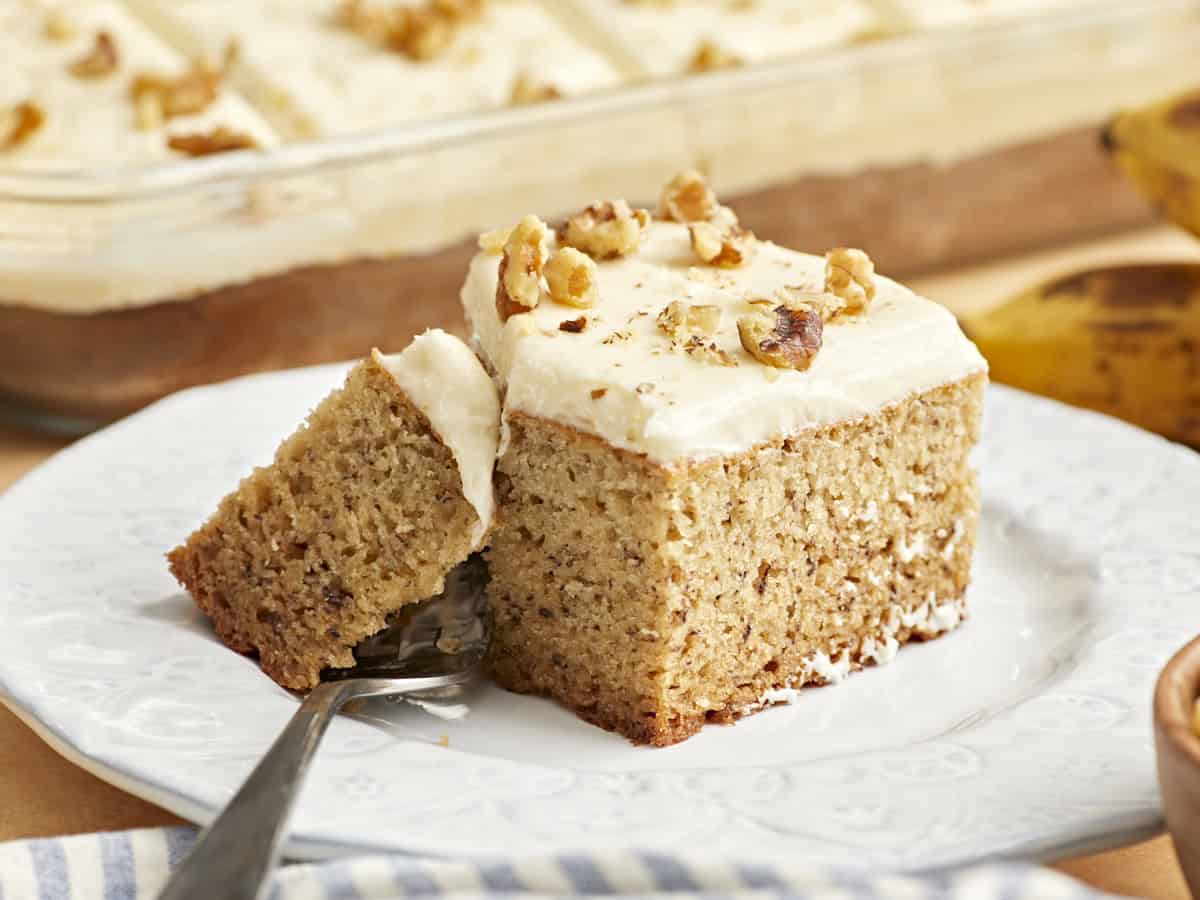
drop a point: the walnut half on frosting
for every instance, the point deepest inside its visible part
(784, 337)
(726, 248)
(605, 230)
(850, 275)
(687, 198)
(519, 287)
(571, 278)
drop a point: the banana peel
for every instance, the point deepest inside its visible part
(1122, 340)
(1158, 147)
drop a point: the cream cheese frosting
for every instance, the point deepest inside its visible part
(620, 379)
(942, 13)
(91, 122)
(314, 77)
(663, 38)
(445, 380)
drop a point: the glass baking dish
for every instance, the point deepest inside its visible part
(119, 286)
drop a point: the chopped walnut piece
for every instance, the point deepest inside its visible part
(605, 230)
(783, 338)
(687, 198)
(370, 22)
(698, 348)
(850, 275)
(419, 32)
(18, 123)
(424, 34)
(709, 57)
(616, 337)
(677, 320)
(726, 248)
(571, 278)
(526, 90)
(828, 306)
(519, 287)
(219, 140)
(58, 26)
(493, 241)
(573, 326)
(100, 60)
(157, 98)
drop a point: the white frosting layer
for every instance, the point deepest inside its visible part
(940, 13)
(641, 395)
(445, 380)
(315, 78)
(90, 122)
(662, 38)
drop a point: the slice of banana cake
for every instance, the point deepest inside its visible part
(385, 488)
(728, 469)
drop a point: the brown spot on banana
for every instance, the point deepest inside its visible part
(1130, 286)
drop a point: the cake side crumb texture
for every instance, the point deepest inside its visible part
(651, 600)
(361, 512)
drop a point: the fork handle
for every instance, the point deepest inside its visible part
(236, 853)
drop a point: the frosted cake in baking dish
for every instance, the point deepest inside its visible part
(864, 123)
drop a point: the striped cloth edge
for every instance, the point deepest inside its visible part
(134, 865)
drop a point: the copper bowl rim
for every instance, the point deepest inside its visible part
(1175, 697)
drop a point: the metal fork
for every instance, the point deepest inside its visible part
(432, 649)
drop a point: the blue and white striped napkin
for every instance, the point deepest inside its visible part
(134, 865)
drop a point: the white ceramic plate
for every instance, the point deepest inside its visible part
(1026, 732)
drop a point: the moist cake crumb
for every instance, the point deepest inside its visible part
(365, 509)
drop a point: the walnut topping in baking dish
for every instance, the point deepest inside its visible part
(709, 57)
(18, 123)
(850, 275)
(58, 26)
(726, 248)
(687, 198)
(526, 90)
(571, 278)
(519, 287)
(219, 140)
(605, 230)
(370, 22)
(157, 98)
(419, 32)
(100, 60)
(784, 338)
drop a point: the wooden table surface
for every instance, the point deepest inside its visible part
(41, 794)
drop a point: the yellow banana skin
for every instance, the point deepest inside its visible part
(1122, 340)
(1158, 147)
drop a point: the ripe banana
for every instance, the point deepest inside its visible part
(1159, 148)
(1123, 340)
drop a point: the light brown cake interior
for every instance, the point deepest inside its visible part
(360, 513)
(652, 599)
